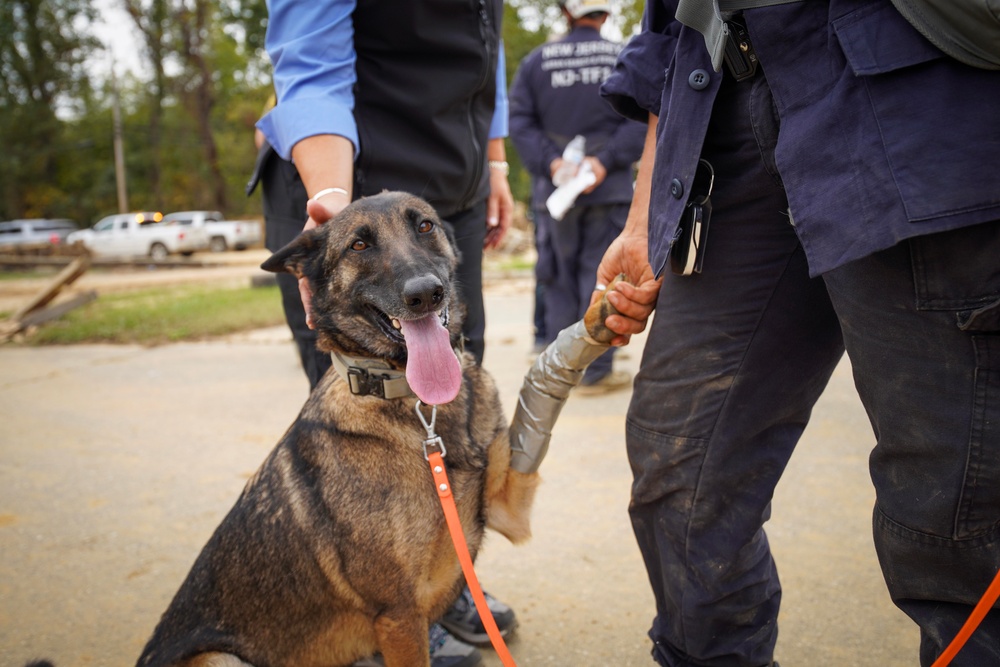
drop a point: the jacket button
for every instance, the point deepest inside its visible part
(676, 188)
(698, 79)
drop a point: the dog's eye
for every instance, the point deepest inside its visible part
(425, 226)
(359, 245)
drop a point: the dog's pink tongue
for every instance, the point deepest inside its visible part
(432, 369)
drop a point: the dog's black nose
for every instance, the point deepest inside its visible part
(423, 293)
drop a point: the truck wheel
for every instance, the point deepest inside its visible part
(158, 251)
(217, 244)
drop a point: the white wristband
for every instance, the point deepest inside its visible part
(330, 191)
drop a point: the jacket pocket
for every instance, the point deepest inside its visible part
(958, 271)
(877, 39)
(935, 118)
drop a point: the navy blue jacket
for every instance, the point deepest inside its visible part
(882, 137)
(556, 96)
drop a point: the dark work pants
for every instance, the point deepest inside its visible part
(284, 200)
(470, 234)
(545, 266)
(735, 360)
(921, 322)
(578, 242)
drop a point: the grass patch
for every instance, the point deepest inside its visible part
(27, 274)
(153, 317)
(509, 263)
(518, 263)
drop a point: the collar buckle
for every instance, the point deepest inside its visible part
(363, 383)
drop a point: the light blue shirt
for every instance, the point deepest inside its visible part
(311, 45)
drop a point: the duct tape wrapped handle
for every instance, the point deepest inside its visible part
(548, 383)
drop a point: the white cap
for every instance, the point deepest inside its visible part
(578, 8)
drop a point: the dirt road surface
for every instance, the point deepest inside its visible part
(119, 461)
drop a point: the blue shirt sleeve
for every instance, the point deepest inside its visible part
(499, 126)
(311, 46)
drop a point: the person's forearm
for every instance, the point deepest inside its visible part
(639, 212)
(496, 150)
(325, 161)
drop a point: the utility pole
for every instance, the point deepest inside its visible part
(116, 116)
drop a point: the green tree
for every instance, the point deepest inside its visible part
(150, 17)
(85, 182)
(522, 31)
(197, 34)
(250, 18)
(210, 49)
(42, 52)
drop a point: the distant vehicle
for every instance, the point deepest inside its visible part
(222, 234)
(139, 234)
(34, 232)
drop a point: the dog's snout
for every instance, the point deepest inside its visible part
(423, 293)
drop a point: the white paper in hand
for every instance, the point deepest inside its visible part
(565, 195)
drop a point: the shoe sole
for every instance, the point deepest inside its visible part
(475, 639)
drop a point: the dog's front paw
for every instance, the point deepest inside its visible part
(509, 511)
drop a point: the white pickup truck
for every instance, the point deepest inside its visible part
(222, 234)
(138, 234)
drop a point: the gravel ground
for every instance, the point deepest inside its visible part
(119, 461)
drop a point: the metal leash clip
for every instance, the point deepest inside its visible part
(433, 444)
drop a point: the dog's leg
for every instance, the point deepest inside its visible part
(509, 493)
(402, 637)
(509, 511)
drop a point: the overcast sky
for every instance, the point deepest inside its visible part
(118, 34)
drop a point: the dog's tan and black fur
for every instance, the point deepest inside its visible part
(338, 547)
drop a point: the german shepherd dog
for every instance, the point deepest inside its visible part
(338, 547)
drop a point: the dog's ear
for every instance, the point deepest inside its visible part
(294, 256)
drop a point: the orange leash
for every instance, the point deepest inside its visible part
(462, 549)
(434, 452)
(975, 618)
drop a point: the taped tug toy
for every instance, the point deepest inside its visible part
(554, 374)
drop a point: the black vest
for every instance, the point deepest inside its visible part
(425, 96)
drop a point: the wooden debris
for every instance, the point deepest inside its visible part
(35, 312)
(43, 315)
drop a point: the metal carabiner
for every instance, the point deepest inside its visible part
(433, 440)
